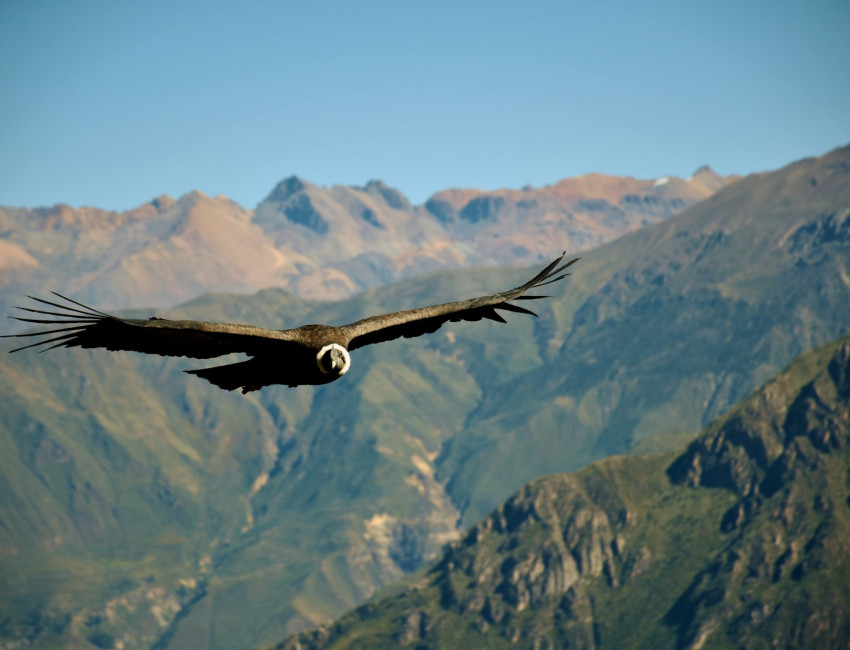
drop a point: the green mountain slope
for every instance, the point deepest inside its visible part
(743, 541)
(142, 507)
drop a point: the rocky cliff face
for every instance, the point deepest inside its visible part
(784, 455)
(742, 540)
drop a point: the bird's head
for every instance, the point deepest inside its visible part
(333, 359)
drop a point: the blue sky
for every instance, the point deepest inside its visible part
(110, 103)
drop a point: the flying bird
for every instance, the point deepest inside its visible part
(310, 354)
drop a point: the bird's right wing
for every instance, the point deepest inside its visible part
(77, 325)
(425, 320)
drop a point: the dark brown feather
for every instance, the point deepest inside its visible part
(415, 322)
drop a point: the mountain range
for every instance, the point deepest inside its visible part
(140, 507)
(320, 243)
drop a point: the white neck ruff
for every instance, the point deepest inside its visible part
(328, 348)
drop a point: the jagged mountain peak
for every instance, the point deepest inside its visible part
(163, 202)
(753, 450)
(287, 188)
(389, 195)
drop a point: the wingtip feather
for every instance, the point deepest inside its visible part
(79, 304)
(62, 339)
(515, 308)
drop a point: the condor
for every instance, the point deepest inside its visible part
(310, 354)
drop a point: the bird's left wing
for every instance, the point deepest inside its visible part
(76, 325)
(415, 322)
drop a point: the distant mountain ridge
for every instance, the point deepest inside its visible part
(744, 543)
(318, 242)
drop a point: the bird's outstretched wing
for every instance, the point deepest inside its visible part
(415, 322)
(73, 324)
